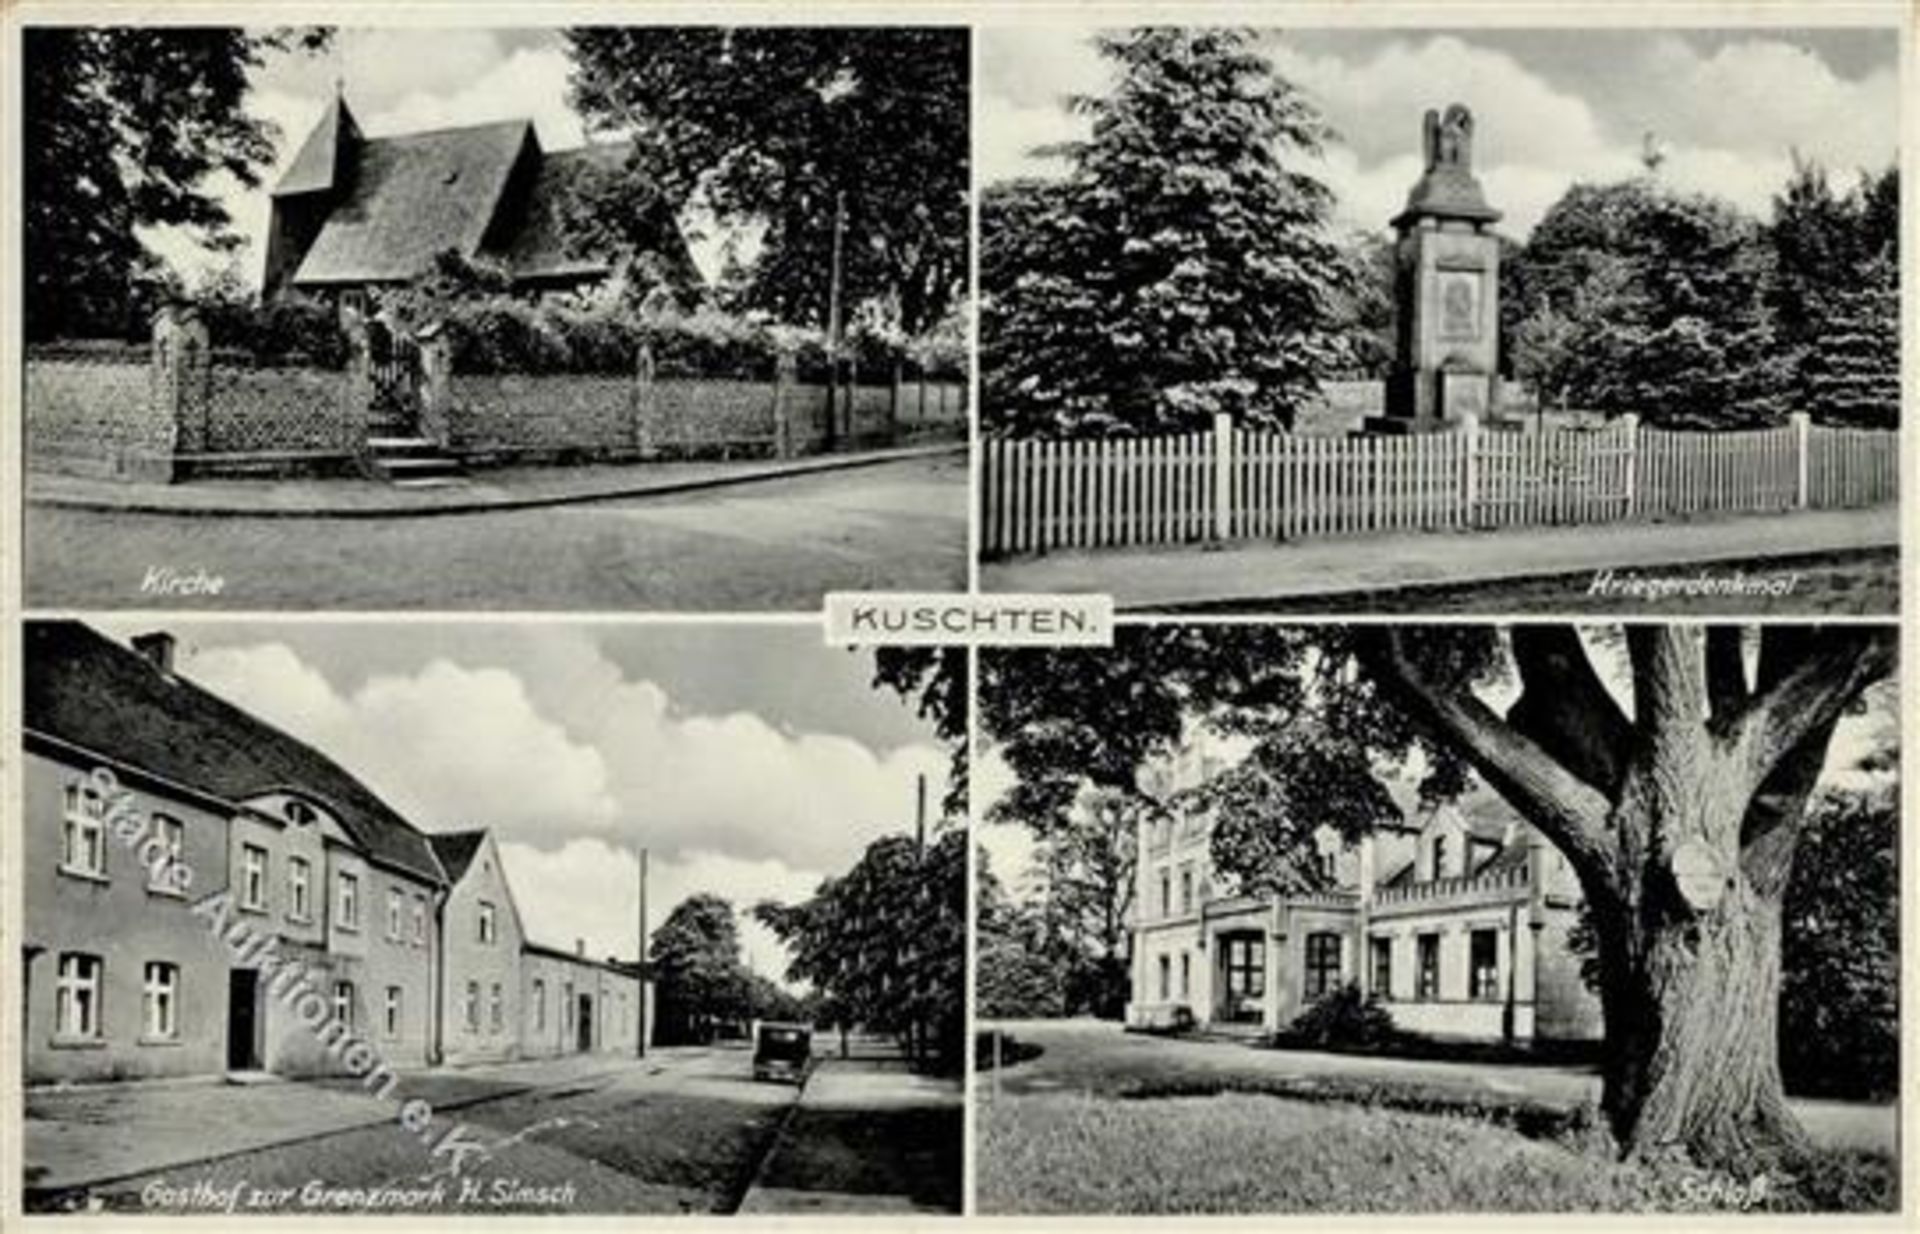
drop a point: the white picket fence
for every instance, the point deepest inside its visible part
(1239, 484)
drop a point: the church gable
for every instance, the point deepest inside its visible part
(413, 197)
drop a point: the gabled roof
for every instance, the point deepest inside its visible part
(456, 849)
(412, 197)
(318, 166)
(87, 690)
(537, 247)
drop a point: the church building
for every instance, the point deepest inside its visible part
(354, 212)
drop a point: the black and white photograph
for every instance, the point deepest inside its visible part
(556, 919)
(598, 318)
(1551, 321)
(1347, 918)
(907, 614)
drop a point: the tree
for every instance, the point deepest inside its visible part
(1653, 302)
(1182, 268)
(1840, 985)
(785, 129)
(885, 943)
(1086, 871)
(1679, 812)
(701, 983)
(1017, 975)
(1835, 295)
(125, 128)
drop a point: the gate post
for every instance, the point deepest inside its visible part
(645, 428)
(1630, 425)
(1802, 433)
(785, 374)
(1222, 475)
(1470, 480)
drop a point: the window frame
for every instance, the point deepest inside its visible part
(343, 1003)
(1320, 973)
(160, 880)
(299, 889)
(162, 996)
(346, 904)
(1483, 980)
(248, 902)
(486, 923)
(1380, 965)
(394, 1012)
(83, 809)
(66, 987)
(1426, 967)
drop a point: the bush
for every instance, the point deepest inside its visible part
(290, 330)
(1344, 1018)
(1010, 1050)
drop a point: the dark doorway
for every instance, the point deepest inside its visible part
(243, 1009)
(583, 1023)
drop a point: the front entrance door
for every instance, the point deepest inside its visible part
(584, 1023)
(243, 1011)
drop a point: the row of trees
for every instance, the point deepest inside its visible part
(1186, 265)
(1712, 763)
(702, 987)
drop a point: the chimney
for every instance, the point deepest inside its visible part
(580, 947)
(157, 647)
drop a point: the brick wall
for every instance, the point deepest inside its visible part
(560, 416)
(89, 412)
(695, 417)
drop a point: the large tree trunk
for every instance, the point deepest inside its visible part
(1680, 823)
(1692, 1061)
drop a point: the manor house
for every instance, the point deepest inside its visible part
(1458, 921)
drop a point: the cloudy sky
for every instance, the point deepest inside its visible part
(1552, 107)
(751, 760)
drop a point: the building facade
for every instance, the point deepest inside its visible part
(1457, 922)
(208, 895)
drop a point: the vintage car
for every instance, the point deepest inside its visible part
(782, 1051)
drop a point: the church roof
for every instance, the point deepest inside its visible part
(412, 197)
(318, 164)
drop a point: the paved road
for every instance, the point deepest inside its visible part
(681, 1131)
(776, 545)
(1098, 1057)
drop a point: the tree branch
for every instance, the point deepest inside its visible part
(1807, 678)
(1571, 813)
(1726, 670)
(1669, 679)
(1565, 706)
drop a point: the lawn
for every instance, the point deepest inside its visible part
(1102, 1122)
(1252, 1153)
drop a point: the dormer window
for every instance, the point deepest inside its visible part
(299, 813)
(1440, 856)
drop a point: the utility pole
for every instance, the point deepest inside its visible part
(835, 394)
(920, 816)
(640, 1044)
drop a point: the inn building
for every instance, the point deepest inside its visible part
(412, 939)
(1457, 920)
